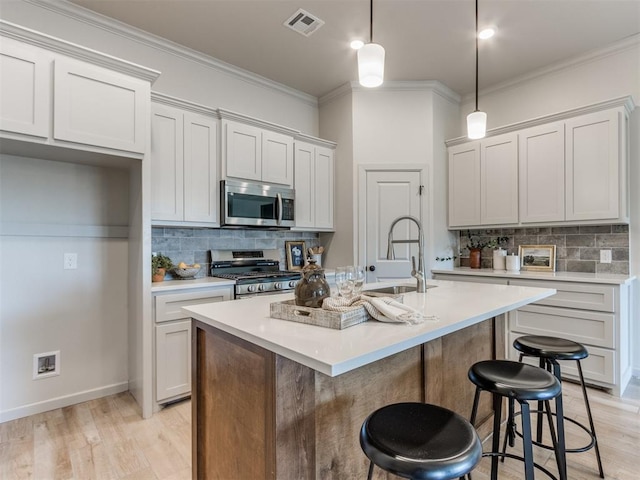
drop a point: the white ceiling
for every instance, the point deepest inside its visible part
(423, 39)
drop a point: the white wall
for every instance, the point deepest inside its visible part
(197, 78)
(587, 80)
(399, 123)
(48, 209)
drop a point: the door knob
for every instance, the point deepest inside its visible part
(372, 268)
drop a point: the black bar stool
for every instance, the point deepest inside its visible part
(550, 350)
(522, 383)
(420, 441)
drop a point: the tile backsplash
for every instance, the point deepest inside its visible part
(192, 245)
(577, 248)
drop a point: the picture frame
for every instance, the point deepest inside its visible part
(296, 254)
(541, 258)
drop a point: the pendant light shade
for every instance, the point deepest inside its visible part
(476, 125)
(371, 65)
(476, 121)
(371, 59)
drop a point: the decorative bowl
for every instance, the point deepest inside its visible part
(186, 273)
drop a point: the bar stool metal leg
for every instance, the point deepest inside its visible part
(591, 424)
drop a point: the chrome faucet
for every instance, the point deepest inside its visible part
(419, 273)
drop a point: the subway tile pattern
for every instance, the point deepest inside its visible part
(192, 245)
(577, 247)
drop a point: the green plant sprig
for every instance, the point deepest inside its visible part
(160, 261)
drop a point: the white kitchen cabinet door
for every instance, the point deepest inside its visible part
(167, 163)
(389, 194)
(173, 360)
(200, 168)
(304, 185)
(277, 158)
(314, 185)
(25, 89)
(464, 185)
(243, 155)
(99, 107)
(324, 188)
(499, 180)
(542, 186)
(592, 166)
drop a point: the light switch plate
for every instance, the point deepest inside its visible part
(605, 256)
(70, 261)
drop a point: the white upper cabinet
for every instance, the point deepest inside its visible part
(499, 180)
(541, 160)
(183, 166)
(95, 106)
(592, 166)
(314, 185)
(243, 157)
(483, 182)
(254, 153)
(25, 95)
(464, 185)
(570, 171)
(59, 94)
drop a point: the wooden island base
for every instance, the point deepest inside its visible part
(258, 415)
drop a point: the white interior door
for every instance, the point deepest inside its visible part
(386, 195)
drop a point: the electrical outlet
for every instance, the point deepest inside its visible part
(70, 261)
(605, 256)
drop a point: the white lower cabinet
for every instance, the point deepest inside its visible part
(593, 314)
(172, 345)
(173, 360)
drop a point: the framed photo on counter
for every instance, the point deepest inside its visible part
(296, 251)
(540, 258)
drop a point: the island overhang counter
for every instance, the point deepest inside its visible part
(277, 399)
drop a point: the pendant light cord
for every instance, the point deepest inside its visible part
(476, 55)
(371, 21)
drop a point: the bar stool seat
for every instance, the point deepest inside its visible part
(522, 383)
(550, 350)
(420, 441)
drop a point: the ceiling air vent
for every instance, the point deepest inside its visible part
(303, 22)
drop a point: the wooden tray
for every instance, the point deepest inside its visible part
(288, 310)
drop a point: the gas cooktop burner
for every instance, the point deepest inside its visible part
(254, 274)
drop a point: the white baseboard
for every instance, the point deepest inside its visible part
(60, 402)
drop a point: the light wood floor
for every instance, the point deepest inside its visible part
(107, 439)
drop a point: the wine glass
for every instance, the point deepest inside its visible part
(345, 281)
(360, 275)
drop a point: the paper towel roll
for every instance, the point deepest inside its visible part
(513, 263)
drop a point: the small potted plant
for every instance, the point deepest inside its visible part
(476, 244)
(159, 266)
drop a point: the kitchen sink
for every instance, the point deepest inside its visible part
(395, 289)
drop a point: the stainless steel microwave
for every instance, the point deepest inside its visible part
(256, 204)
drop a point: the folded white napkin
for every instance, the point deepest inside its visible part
(384, 309)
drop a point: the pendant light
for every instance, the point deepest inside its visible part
(477, 120)
(371, 60)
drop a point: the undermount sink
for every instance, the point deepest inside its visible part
(395, 289)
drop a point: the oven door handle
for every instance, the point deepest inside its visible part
(279, 219)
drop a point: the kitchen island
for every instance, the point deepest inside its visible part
(276, 399)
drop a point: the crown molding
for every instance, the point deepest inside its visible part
(239, 117)
(164, 99)
(81, 14)
(394, 86)
(315, 140)
(615, 48)
(47, 42)
(626, 103)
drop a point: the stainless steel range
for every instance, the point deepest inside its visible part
(253, 273)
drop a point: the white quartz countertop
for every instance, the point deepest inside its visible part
(608, 278)
(206, 282)
(333, 352)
